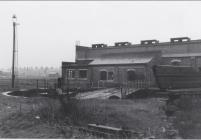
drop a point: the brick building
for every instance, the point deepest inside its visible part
(126, 63)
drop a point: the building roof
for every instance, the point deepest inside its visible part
(115, 61)
(77, 63)
(83, 62)
(147, 45)
(182, 55)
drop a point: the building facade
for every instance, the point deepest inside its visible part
(126, 63)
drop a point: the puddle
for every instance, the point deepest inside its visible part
(25, 93)
(7, 94)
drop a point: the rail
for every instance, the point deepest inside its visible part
(102, 131)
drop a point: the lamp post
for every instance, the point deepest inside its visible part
(14, 19)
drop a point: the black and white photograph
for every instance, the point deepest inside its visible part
(100, 69)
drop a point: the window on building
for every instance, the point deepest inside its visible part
(103, 75)
(110, 75)
(70, 73)
(82, 73)
(131, 76)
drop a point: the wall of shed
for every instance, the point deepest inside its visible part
(120, 73)
(120, 76)
(75, 82)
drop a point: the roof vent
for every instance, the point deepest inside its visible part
(119, 44)
(149, 42)
(180, 39)
(99, 45)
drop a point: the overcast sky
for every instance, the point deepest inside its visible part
(48, 30)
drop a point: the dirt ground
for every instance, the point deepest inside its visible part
(40, 117)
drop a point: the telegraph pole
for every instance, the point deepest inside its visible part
(14, 50)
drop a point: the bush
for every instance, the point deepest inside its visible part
(142, 93)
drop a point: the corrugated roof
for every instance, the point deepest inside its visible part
(181, 55)
(110, 61)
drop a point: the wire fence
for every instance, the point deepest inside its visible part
(5, 84)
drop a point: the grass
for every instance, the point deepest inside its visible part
(187, 117)
(138, 115)
(39, 117)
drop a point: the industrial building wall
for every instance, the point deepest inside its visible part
(167, 48)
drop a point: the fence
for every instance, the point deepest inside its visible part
(137, 84)
(5, 84)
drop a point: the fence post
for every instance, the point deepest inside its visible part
(37, 83)
(137, 83)
(47, 84)
(44, 84)
(20, 108)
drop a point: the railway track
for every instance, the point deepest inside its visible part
(101, 131)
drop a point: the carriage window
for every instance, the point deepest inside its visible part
(110, 75)
(82, 73)
(175, 62)
(103, 75)
(131, 76)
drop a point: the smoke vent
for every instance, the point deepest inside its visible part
(149, 42)
(119, 44)
(180, 39)
(99, 45)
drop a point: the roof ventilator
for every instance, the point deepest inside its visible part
(99, 45)
(180, 39)
(120, 44)
(149, 42)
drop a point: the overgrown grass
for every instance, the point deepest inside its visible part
(36, 117)
(141, 115)
(138, 115)
(188, 117)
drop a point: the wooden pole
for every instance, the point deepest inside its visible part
(13, 60)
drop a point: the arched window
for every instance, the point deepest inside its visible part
(131, 76)
(103, 75)
(110, 75)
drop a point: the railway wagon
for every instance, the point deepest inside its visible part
(176, 77)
